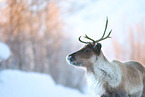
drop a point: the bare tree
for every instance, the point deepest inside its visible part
(37, 41)
(136, 44)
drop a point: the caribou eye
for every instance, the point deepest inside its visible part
(87, 50)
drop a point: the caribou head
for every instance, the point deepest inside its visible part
(85, 56)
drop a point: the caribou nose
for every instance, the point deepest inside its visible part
(71, 58)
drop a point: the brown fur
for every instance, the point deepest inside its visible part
(115, 78)
(132, 76)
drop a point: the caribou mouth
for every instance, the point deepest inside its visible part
(68, 58)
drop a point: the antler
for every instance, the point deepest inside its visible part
(102, 38)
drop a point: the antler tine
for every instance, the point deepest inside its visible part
(105, 27)
(86, 36)
(83, 41)
(102, 38)
(108, 36)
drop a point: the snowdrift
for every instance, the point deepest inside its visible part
(14, 83)
(4, 51)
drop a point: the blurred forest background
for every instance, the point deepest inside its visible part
(40, 38)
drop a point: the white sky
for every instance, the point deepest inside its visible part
(90, 19)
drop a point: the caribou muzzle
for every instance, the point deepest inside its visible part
(72, 60)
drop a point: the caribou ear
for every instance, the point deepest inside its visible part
(97, 48)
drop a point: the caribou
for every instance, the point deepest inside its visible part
(108, 78)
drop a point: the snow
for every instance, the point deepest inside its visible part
(14, 83)
(4, 51)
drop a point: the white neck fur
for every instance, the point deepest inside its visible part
(103, 72)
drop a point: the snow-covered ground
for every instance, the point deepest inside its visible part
(4, 51)
(14, 83)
